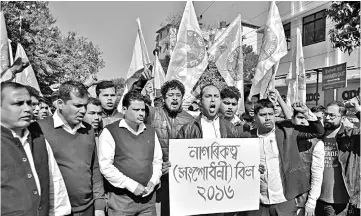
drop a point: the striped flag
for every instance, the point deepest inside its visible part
(296, 78)
(273, 48)
(228, 56)
(27, 76)
(5, 56)
(140, 60)
(189, 59)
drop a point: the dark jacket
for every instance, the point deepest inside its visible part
(19, 193)
(193, 130)
(293, 168)
(348, 141)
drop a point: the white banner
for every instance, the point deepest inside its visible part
(213, 175)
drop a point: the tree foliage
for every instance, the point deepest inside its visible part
(250, 60)
(346, 33)
(55, 58)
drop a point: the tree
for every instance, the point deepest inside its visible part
(250, 60)
(174, 19)
(346, 33)
(55, 58)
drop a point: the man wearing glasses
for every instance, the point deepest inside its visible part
(341, 176)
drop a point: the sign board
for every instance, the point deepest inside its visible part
(213, 175)
(334, 77)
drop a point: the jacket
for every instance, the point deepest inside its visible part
(293, 168)
(193, 130)
(348, 142)
(166, 126)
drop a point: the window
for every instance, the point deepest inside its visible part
(287, 29)
(314, 28)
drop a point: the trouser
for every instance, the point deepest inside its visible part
(127, 204)
(287, 208)
(87, 212)
(330, 209)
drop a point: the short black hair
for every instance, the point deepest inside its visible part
(75, 87)
(263, 103)
(207, 85)
(318, 109)
(43, 100)
(132, 96)
(13, 85)
(94, 101)
(103, 85)
(33, 92)
(55, 96)
(172, 84)
(342, 109)
(230, 92)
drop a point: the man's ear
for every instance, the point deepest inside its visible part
(60, 103)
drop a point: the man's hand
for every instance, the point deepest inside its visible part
(165, 167)
(149, 189)
(272, 95)
(19, 65)
(309, 211)
(300, 107)
(354, 102)
(261, 169)
(140, 190)
(147, 73)
(90, 80)
(99, 213)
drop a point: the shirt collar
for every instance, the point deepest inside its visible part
(24, 137)
(216, 119)
(58, 121)
(124, 124)
(267, 134)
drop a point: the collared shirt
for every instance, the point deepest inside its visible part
(59, 122)
(59, 203)
(210, 129)
(272, 179)
(106, 152)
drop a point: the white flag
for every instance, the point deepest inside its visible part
(189, 59)
(159, 76)
(274, 47)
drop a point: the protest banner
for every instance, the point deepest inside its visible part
(213, 175)
(334, 77)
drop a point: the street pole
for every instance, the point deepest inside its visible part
(317, 80)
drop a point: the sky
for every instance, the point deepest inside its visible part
(112, 25)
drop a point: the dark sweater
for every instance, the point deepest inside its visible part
(77, 158)
(19, 193)
(133, 154)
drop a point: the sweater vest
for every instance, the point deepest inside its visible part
(133, 154)
(75, 157)
(19, 193)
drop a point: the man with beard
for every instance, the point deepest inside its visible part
(167, 121)
(74, 147)
(93, 115)
(105, 91)
(284, 175)
(341, 176)
(230, 96)
(44, 110)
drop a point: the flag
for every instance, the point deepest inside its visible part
(296, 80)
(5, 56)
(159, 76)
(273, 48)
(27, 76)
(189, 59)
(140, 60)
(10, 53)
(228, 56)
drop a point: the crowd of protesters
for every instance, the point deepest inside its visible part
(77, 155)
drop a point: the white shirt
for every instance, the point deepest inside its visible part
(106, 152)
(317, 167)
(210, 129)
(272, 179)
(59, 203)
(59, 122)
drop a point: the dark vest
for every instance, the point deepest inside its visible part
(133, 154)
(19, 194)
(75, 157)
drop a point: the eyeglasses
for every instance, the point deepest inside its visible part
(332, 116)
